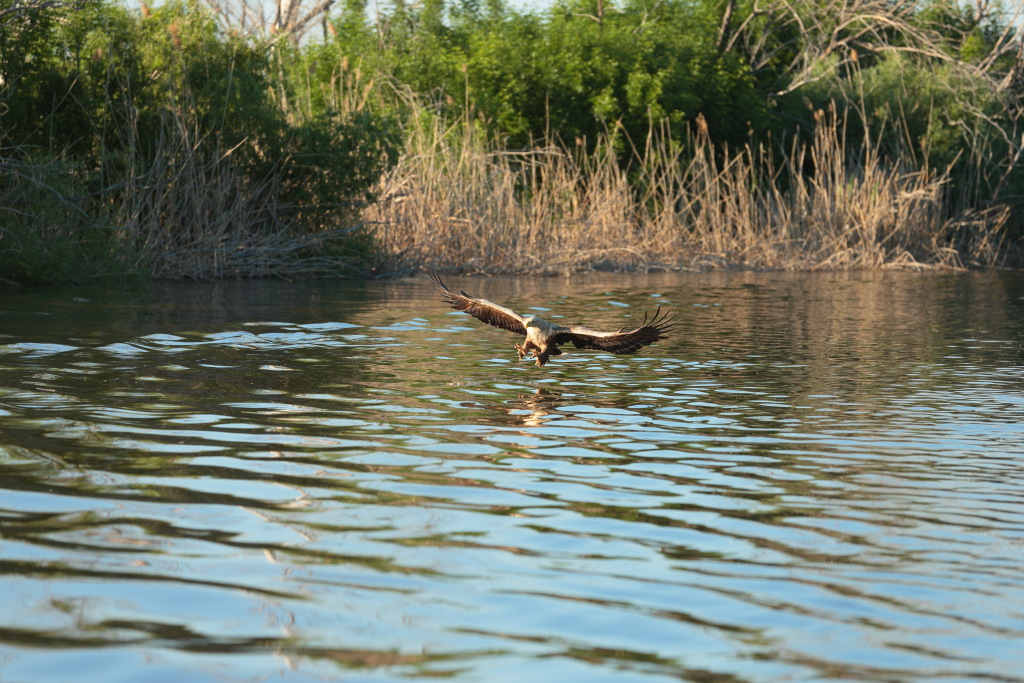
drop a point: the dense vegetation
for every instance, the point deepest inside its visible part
(155, 143)
(176, 142)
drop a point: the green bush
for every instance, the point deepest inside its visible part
(103, 105)
(46, 232)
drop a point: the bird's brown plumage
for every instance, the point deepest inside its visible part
(543, 338)
(617, 342)
(481, 309)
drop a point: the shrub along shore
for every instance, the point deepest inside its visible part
(175, 142)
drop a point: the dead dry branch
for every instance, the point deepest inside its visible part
(825, 39)
(289, 18)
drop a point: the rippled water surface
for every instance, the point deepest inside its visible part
(817, 477)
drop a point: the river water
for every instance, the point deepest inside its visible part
(816, 477)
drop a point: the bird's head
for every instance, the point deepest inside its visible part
(530, 321)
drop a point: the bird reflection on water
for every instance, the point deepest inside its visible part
(536, 407)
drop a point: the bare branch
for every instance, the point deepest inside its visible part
(320, 9)
(825, 37)
(723, 29)
(257, 17)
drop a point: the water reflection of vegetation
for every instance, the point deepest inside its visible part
(781, 454)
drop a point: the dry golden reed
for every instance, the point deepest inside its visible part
(454, 202)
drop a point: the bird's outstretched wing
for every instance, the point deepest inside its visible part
(617, 342)
(481, 309)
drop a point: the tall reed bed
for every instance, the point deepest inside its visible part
(187, 211)
(458, 202)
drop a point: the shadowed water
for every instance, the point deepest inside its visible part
(816, 477)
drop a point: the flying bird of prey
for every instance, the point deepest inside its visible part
(543, 338)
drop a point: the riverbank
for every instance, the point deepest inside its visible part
(457, 202)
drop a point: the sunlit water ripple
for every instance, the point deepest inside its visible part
(817, 477)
